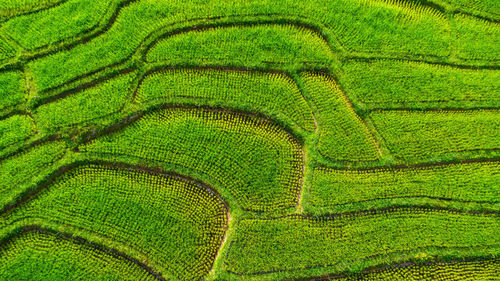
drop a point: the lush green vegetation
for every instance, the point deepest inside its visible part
(14, 131)
(173, 223)
(39, 255)
(476, 38)
(401, 25)
(24, 171)
(249, 140)
(433, 136)
(257, 46)
(271, 93)
(11, 89)
(339, 190)
(466, 270)
(53, 25)
(492, 8)
(437, 86)
(11, 8)
(6, 50)
(258, 163)
(290, 246)
(342, 134)
(86, 106)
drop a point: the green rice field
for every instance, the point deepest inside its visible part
(249, 140)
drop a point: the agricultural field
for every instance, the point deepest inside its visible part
(249, 140)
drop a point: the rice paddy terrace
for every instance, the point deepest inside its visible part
(249, 140)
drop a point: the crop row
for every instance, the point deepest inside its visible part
(12, 88)
(20, 173)
(247, 45)
(488, 8)
(89, 104)
(415, 10)
(257, 162)
(439, 271)
(40, 255)
(6, 51)
(301, 246)
(399, 84)
(432, 136)
(177, 225)
(138, 20)
(272, 93)
(472, 182)
(126, 34)
(11, 8)
(50, 26)
(342, 134)
(476, 38)
(14, 131)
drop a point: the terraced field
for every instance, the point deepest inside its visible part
(249, 140)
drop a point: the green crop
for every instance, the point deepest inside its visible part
(342, 134)
(346, 189)
(175, 224)
(12, 8)
(249, 140)
(466, 270)
(6, 51)
(477, 39)
(23, 171)
(11, 89)
(139, 19)
(257, 46)
(437, 136)
(14, 131)
(419, 85)
(272, 93)
(258, 163)
(53, 25)
(41, 255)
(297, 246)
(86, 106)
